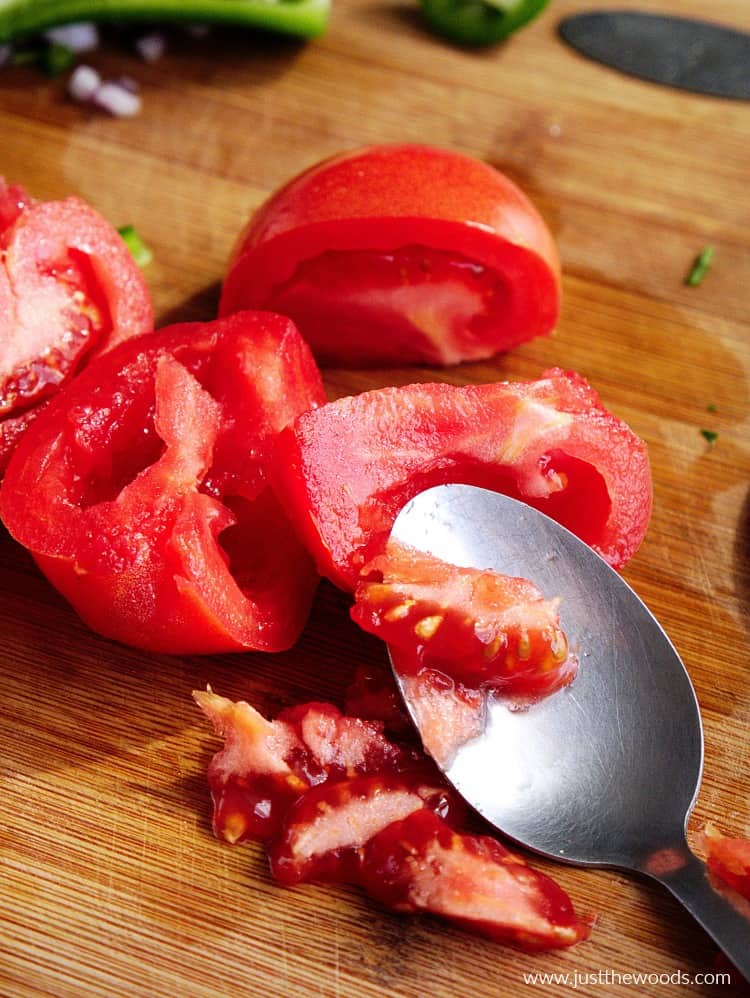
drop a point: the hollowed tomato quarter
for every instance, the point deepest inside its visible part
(142, 488)
(400, 254)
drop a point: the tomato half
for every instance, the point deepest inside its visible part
(142, 490)
(400, 254)
(347, 469)
(69, 289)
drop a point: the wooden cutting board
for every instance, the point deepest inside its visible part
(110, 880)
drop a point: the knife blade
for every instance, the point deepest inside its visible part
(700, 56)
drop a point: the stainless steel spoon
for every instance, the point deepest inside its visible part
(606, 771)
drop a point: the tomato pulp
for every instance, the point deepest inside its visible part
(334, 799)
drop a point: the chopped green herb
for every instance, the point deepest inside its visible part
(700, 267)
(138, 249)
(710, 436)
(57, 59)
(712, 407)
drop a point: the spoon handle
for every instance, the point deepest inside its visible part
(729, 929)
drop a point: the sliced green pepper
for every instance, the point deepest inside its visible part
(479, 22)
(19, 18)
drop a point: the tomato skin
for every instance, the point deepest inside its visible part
(422, 864)
(383, 199)
(346, 470)
(69, 290)
(128, 490)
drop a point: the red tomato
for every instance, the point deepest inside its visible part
(347, 469)
(400, 254)
(480, 627)
(69, 289)
(422, 864)
(266, 765)
(326, 830)
(728, 859)
(446, 712)
(141, 490)
(373, 694)
(337, 801)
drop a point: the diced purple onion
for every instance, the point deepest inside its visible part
(128, 83)
(116, 100)
(151, 47)
(84, 83)
(80, 37)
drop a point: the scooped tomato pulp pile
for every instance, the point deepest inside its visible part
(185, 489)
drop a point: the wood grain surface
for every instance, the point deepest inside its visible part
(110, 880)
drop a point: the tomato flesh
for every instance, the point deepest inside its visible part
(486, 629)
(422, 864)
(142, 489)
(728, 859)
(335, 800)
(414, 305)
(347, 469)
(266, 765)
(325, 831)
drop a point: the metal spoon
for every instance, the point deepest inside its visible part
(606, 771)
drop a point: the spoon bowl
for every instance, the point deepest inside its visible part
(606, 771)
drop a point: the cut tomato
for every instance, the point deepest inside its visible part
(422, 864)
(347, 469)
(482, 627)
(325, 832)
(266, 765)
(372, 694)
(400, 254)
(446, 713)
(728, 859)
(142, 488)
(335, 800)
(69, 289)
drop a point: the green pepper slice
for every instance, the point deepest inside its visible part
(479, 22)
(307, 18)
